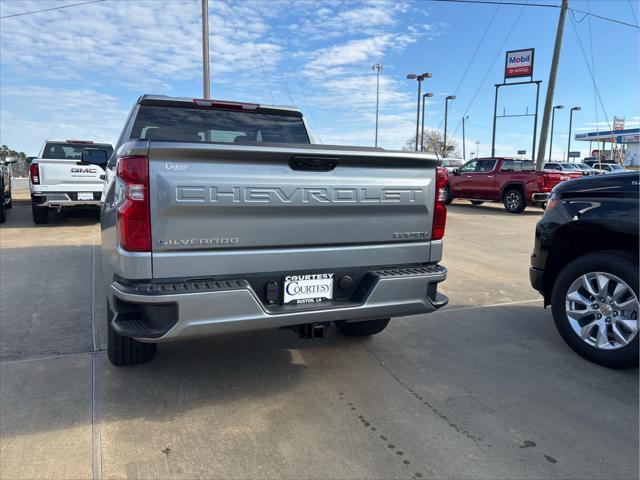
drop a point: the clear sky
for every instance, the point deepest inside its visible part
(75, 72)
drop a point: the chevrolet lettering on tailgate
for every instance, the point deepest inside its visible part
(301, 195)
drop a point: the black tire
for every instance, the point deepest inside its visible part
(125, 351)
(3, 211)
(623, 266)
(476, 202)
(446, 195)
(362, 329)
(513, 200)
(10, 202)
(40, 214)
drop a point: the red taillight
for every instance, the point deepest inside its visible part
(134, 224)
(34, 172)
(439, 210)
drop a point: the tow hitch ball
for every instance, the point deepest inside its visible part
(311, 330)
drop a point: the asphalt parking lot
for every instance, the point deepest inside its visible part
(483, 389)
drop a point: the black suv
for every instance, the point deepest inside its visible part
(585, 264)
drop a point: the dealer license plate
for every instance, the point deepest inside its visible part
(85, 196)
(308, 288)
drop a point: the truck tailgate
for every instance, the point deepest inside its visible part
(69, 176)
(229, 209)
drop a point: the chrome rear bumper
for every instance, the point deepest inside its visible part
(233, 307)
(540, 197)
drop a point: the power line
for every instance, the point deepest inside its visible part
(498, 2)
(601, 17)
(593, 65)
(543, 5)
(498, 54)
(52, 8)
(474, 55)
(595, 86)
(633, 12)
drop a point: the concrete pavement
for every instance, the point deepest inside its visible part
(483, 389)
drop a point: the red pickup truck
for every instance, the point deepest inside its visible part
(513, 182)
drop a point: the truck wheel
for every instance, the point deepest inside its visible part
(362, 329)
(3, 211)
(595, 308)
(40, 214)
(446, 195)
(10, 202)
(125, 351)
(476, 202)
(514, 201)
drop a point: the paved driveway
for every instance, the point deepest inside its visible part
(482, 389)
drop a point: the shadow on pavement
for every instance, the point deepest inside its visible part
(489, 208)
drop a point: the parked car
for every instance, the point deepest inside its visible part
(451, 163)
(585, 264)
(586, 169)
(6, 201)
(565, 167)
(515, 183)
(67, 174)
(221, 217)
(608, 168)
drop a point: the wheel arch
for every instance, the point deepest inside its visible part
(511, 185)
(576, 239)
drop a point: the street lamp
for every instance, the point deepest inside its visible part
(378, 67)
(464, 150)
(477, 147)
(570, 122)
(419, 78)
(446, 113)
(553, 116)
(426, 95)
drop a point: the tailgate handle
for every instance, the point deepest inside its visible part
(318, 164)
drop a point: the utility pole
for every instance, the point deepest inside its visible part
(553, 73)
(205, 50)
(377, 67)
(464, 149)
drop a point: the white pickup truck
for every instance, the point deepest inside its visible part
(68, 173)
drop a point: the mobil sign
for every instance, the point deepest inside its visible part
(519, 63)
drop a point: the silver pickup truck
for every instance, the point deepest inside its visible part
(222, 217)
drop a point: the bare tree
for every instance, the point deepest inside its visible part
(433, 142)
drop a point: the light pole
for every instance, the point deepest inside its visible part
(446, 114)
(570, 122)
(419, 78)
(464, 149)
(378, 67)
(205, 50)
(477, 145)
(553, 116)
(425, 96)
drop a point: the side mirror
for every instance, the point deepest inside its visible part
(30, 159)
(10, 160)
(456, 171)
(94, 156)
